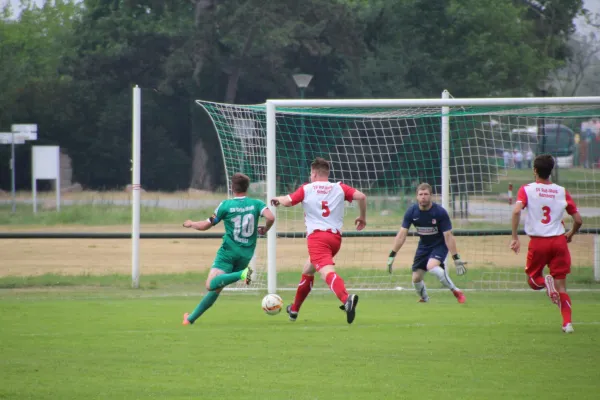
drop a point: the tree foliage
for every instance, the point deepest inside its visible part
(70, 66)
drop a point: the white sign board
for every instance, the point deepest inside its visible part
(7, 138)
(28, 131)
(45, 160)
(45, 164)
(23, 127)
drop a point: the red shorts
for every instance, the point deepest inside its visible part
(322, 247)
(551, 251)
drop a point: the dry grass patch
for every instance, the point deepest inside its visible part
(25, 257)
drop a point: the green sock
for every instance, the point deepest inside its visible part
(207, 301)
(223, 280)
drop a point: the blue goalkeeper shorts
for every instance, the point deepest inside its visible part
(423, 255)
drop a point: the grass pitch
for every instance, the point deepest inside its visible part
(71, 329)
(111, 343)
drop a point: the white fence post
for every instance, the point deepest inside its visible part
(135, 186)
(597, 257)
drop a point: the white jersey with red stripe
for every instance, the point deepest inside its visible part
(546, 204)
(323, 204)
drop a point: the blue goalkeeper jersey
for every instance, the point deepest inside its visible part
(430, 225)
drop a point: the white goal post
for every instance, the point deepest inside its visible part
(445, 103)
(383, 147)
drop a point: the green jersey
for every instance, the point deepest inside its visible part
(240, 216)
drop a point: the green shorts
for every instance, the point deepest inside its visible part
(228, 262)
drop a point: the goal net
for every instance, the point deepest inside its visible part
(387, 150)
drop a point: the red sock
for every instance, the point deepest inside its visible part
(303, 290)
(336, 284)
(565, 308)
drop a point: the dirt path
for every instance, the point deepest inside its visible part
(23, 257)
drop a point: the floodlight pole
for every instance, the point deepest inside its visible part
(302, 139)
(302, 81)
(544, 89)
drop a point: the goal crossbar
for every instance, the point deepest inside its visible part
(273, 106)
(436, 102)
(382, 147)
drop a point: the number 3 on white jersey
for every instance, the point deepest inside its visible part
(546, 220)
(546, 204)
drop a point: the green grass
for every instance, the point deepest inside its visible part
(571, 178)
(476, 278)
(383, 213)
(107, 215)
(590, 222)
(114, 281)
(128, 344)
(576, 180)
(95, 215)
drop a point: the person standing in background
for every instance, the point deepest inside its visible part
(529, 157)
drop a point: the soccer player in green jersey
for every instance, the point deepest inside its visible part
(240, 216)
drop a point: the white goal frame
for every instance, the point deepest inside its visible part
(445, 102)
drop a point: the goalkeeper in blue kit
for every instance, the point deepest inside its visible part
(434, 228)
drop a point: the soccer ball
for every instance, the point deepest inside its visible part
(272, 304)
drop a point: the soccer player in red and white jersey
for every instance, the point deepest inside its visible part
(323, 204)
(546, 203)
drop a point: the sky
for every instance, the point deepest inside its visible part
(594, 7)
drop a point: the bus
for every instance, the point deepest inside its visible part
(555, 139)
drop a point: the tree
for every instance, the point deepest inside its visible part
(580, 74)
(256, 46)
(76, 81)
(470, 47)
(117, 45)
(31, 48)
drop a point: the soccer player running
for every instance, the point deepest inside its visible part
(546, 203)
(435, 231)
(240, 216)
(323, 204)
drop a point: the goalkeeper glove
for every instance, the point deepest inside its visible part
(460, 265)
(391, 261)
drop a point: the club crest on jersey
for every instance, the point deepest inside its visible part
(433, 221)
